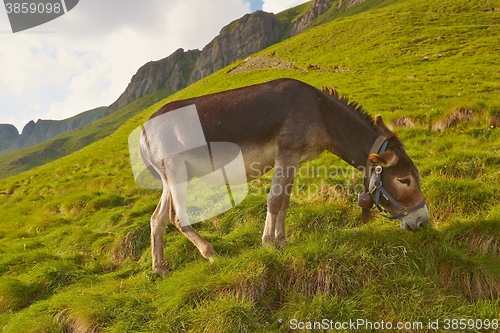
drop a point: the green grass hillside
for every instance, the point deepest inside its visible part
(74, 233)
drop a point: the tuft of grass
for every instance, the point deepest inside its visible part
(16, 295)
(216, 316)
(478, 236)
(131, 245)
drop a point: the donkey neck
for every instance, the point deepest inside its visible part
(357, 148)
(351, 133)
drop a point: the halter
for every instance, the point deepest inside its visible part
(371, 195)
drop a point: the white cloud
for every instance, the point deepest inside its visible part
(93, 51)
(87, 90)
(192, 21)
(276, 6)
(25, 65)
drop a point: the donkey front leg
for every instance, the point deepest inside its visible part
(277, 201)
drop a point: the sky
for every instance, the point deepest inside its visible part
(86, 58)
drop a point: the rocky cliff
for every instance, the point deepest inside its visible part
(172, 72)
(34, 133)
(239, 39)
(318, 8)
(247, 35)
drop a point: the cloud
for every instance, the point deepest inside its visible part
(87, 89)
(24, 65)
(92, 52)
(276, 6)
(192, 21)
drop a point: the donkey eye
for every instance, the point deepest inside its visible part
(405, 181)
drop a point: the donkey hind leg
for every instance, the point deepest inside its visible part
(159, 221)
(176, 170)
(206, 249)
(277, 201)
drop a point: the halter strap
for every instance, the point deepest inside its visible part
(376, 147)
(379, 146)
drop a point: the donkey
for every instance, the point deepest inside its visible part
(280, 124)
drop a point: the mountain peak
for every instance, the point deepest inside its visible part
(8, 132)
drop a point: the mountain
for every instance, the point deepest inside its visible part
(42, 130)
(318, 8)
(251, 33)
(8, 133)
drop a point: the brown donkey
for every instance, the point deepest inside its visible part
(280, 124)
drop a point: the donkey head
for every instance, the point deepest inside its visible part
(398, 181)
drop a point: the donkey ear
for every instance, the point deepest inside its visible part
(379, 123)
(386, 159)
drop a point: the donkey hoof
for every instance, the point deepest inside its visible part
(161, 270)
(281, 242)
(211, 258)
(209, 253)
(268, 241)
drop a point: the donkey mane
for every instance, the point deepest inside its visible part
(358, 110)
(353, 106)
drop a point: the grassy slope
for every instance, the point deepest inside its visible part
(74, 234)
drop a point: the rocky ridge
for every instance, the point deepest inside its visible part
(250, 34)
(172, 72)
(318, 8)
(42, 130)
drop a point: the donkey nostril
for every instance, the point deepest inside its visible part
(422, 222)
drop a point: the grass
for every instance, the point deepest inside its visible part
(74, 233)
